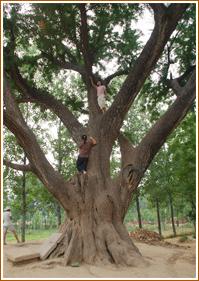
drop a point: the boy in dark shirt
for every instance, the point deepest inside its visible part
(84, 151)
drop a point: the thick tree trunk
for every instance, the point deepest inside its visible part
(60, 160)
(138, 210)
(23, 211)
(172, 215)
(177, 218)
(158, 217)
(58, 215)
(193, 210)
(94, 230)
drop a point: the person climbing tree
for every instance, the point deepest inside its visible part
(101, 92)
(84, 151)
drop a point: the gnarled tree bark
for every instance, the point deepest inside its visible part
(95, 203)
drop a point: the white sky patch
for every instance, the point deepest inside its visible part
(145, 24)
(118, 29)
(26, 8)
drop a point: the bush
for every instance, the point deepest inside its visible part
(183, 239)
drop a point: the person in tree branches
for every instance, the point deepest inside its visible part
(84, 151)
(101, 92)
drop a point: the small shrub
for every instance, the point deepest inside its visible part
(183, 239)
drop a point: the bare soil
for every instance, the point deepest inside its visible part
(165, 260)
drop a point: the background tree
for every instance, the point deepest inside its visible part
(183, 148)
(39, 47)
(170, 180)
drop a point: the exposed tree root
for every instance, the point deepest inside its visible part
(106, 247)
(95, 234)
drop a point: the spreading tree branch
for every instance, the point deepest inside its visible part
(163, 29)
(34, 94)
(108, 79)
(159, 132)
(62, 64)
(186, 73)
(175, 84)
(71, 64)
(84, 35)
(158, 9)
(135, 160)
(15, 122)
(31, 100)
(19, 167)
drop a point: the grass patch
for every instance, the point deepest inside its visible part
(33, 234)
(183, 238)
(180, 233)
(40, 234)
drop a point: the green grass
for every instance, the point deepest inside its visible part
(45, 233)
(179, 232)
(183, 238)
(32, 234)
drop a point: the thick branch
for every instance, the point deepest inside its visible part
(64, 64)
(174, 84)
(108, 79)
(144, 64)
(14, 121)
(28, 99)
(66, 116)
(130, 163)
(131, 172)
(135, 160)
(84, 35)
(158, 134)
(186, 73)
(127, 150)
(24, 168)
(158, 9)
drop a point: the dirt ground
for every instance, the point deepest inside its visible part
(165, 260)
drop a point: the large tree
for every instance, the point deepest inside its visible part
(45, 39)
